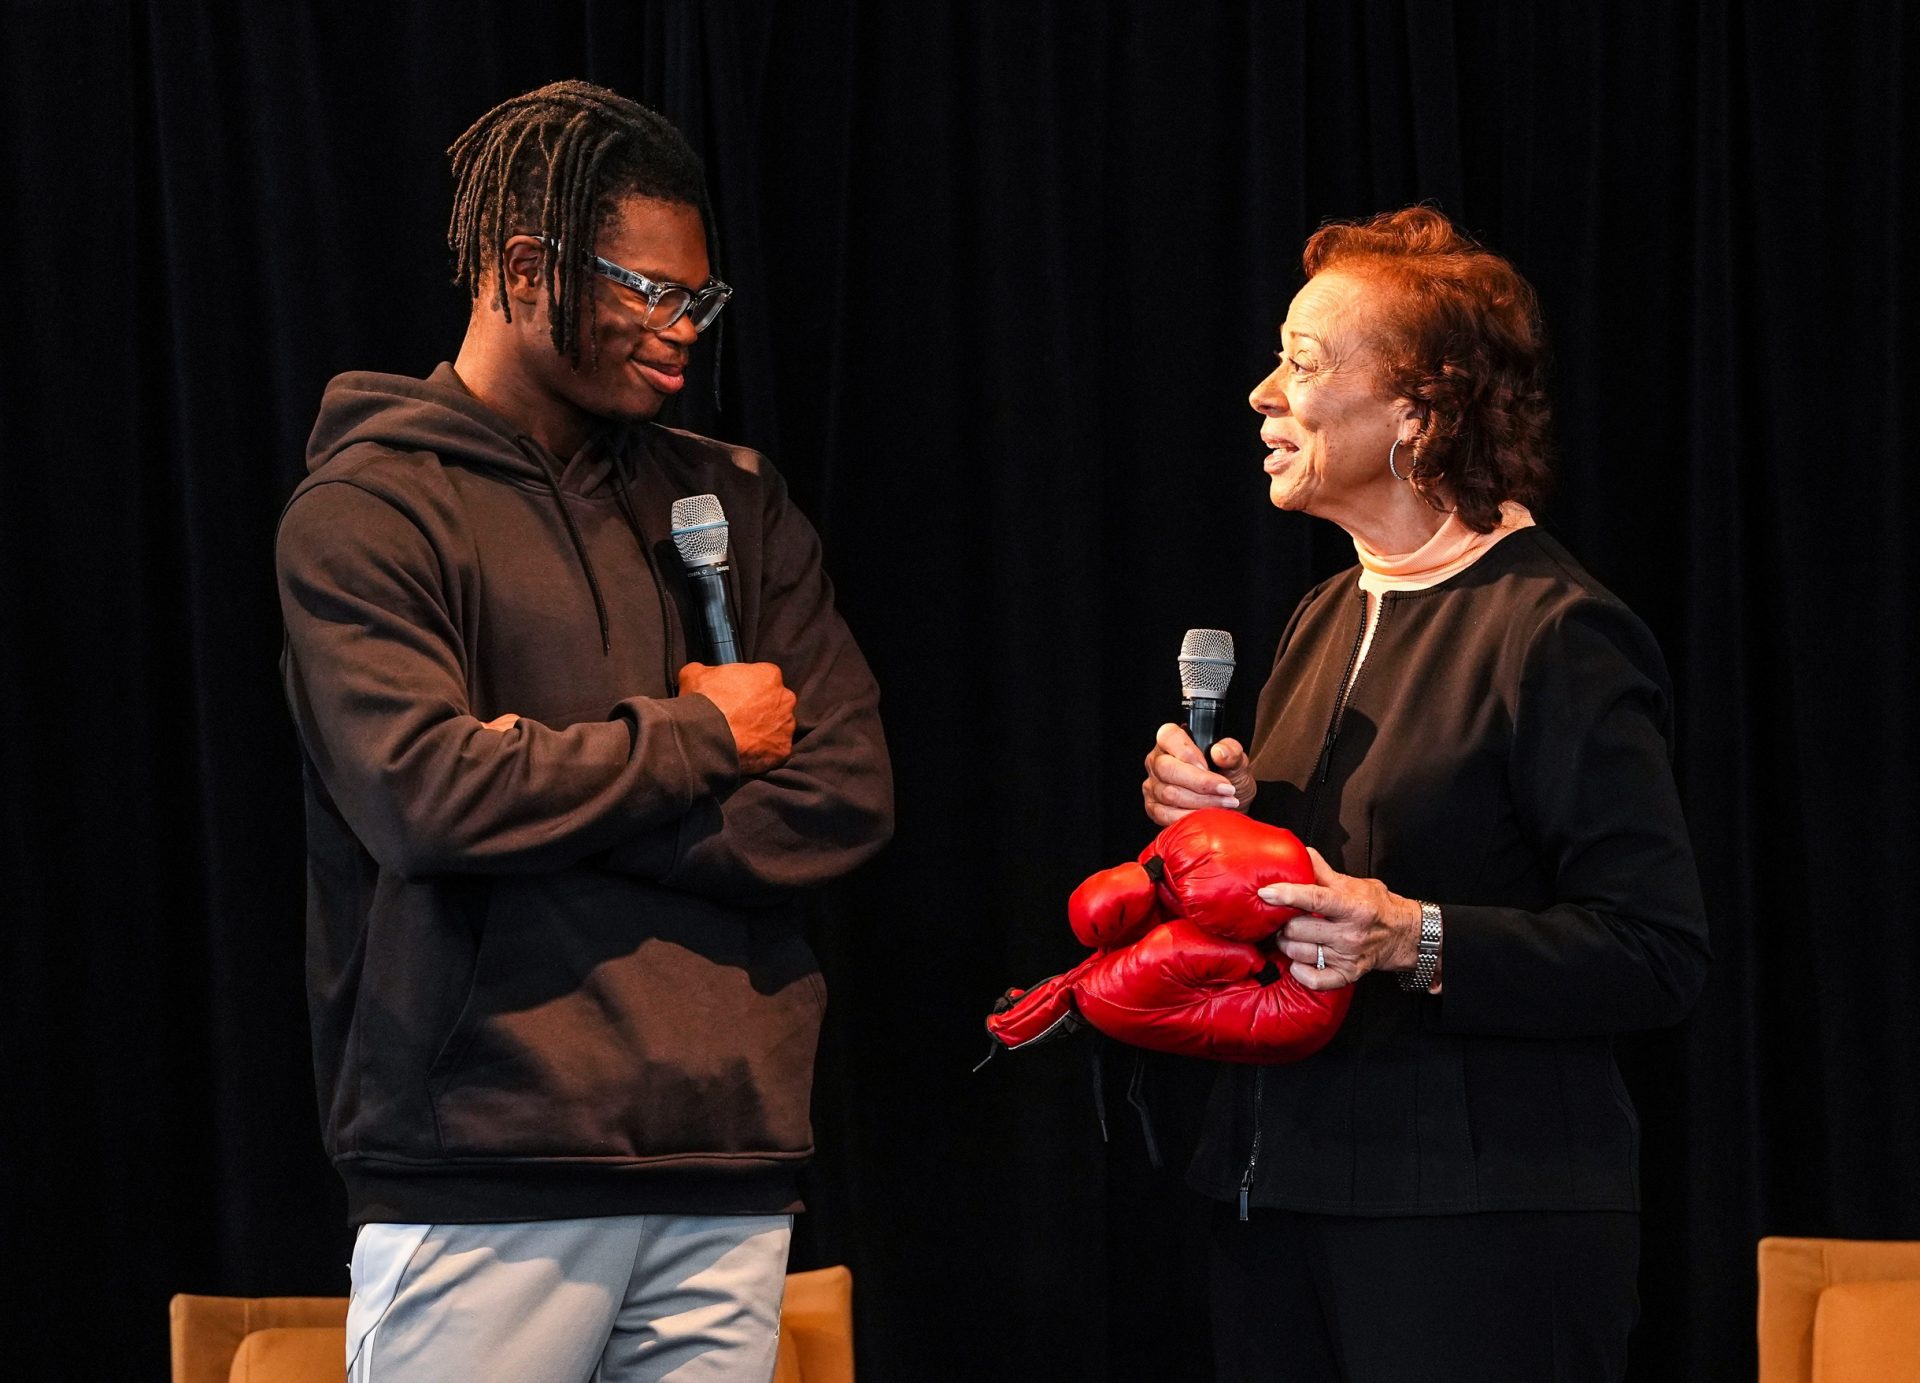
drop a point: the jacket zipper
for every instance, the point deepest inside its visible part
(1246, 1180)
(1313, 801)
(1346, 691)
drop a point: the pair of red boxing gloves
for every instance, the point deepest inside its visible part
(1185, 958)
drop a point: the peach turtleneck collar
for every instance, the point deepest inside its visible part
(1451, 550)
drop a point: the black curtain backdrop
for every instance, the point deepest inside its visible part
(1005, 274)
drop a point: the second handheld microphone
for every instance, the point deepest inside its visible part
(1206, 667)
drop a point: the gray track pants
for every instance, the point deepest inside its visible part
(620, 1299)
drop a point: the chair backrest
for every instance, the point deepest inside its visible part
(291, 1354)
(1839, 1311)
(208, 1332)
(304, 1339)
(816, 1328)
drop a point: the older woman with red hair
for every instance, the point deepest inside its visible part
(1473, 735)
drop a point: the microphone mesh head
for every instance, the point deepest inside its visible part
(1206, 663)
(700, 530)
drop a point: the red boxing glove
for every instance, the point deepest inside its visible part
(1024, 1017)
(1212, 864)
(1180, 989)
(1178, 965)
(1114, 907)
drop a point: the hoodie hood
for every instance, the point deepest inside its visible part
(439, 414)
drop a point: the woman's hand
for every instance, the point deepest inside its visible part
(1354, 925)
(1179, 780)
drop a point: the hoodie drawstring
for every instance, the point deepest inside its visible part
(538, 453)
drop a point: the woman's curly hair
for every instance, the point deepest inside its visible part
(1458, 332)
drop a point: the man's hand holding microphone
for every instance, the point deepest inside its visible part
(752, 696)
(758, 707)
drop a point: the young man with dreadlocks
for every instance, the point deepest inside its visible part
(563, 1013)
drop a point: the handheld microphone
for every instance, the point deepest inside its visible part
(700, 533)
(1206, 666)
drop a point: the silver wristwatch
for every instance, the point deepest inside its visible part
(1427, 964)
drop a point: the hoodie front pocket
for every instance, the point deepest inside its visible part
(613, 1020)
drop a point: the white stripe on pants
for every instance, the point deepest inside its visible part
(617, 1299)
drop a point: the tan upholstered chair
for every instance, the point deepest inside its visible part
(1839, 1311)
(304, 1339)
(816, 1328)
(259, 1339)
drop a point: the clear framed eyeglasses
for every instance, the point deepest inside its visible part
(667, 303)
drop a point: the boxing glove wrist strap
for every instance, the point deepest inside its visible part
(1427, 962)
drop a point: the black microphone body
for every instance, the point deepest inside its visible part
(1203, 723)
(710, 590)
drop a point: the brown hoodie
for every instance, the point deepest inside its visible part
(556, 971)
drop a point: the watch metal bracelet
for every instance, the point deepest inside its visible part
(1427, 961)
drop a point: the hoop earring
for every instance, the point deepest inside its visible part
(1394, 469)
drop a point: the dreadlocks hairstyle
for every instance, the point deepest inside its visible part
(555, 163)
